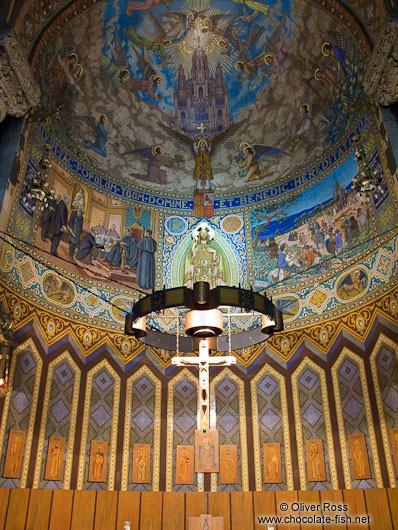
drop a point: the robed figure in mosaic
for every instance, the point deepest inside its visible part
(146, 261)
(204, 263)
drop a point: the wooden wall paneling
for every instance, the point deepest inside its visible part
(17, 509)
(4, 498)
(129, 509)
(329, 498)
(151, 510)
(173, 510)
(195, 505)
(39, 509)
(220, 506)
(355, 501)
(378, 508)
(83, 510)
(264, 504)
(306, 499)
(105, 510)
(393, 502)
(241, 510)
(286, 497)
(61, 510)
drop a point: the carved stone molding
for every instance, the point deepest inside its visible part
(19, 91)
(381, 76)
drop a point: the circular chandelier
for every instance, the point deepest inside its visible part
(204, 318)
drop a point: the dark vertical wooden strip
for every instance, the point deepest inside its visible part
(4, 498)
(128, 509)
(393, 502)
(173, 510)
(151, 510)
(105, 510)
(220, 506)
(83, 510)
(39, 509)
(241, 510)
(264, 505)
(330, 498)
(355, 501)
(288, 499)
(61, 510)
(17, 509)
(378, 509)
(195, 505)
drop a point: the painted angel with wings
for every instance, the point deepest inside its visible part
(202, 149)
(249, 158)
(156, 159)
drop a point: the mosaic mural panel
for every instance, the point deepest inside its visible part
(20, 406)
(312, 419)
(270, 426)
(100, 422)
(59, 418)
(227, 400)
(353, 416)
(184, 422)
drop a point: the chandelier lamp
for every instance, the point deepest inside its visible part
(367, 182)
(204, 317)
(6, 327)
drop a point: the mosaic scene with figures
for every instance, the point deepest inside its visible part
(198, 264)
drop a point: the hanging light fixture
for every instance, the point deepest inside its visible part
(367, 182)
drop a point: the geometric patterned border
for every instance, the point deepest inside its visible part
(242, 414)
(72, 422)
(383, 424)
(32, 415)
(369, 420)
(86, 414)
(156, 428)
(285, 422)
(328, 425)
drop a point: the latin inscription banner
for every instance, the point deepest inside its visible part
(187, 205)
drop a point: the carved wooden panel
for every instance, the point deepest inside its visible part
(272, 463)
(359, 456)
(228, 464)
(206, 451)
(98, 461)
(13, 463)
(316, 471)
(55, 458)
(184, 466)
(141, 463)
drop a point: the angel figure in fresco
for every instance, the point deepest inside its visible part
(156, 159)
(257, 7)
(248, 160)
(202, 149)
(116, 69)
(151, 78)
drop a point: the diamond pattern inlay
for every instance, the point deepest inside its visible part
(227, 421)
(103, 380)
(353, 408)
(185, 422)
(385, 358)
(142, 420)
(100, 416)
(348, 370)
(391, 399)
(26, 362)
(312, 415)
(20, 402)
(308, 378)
(226, 387)
(267, 385)
(59, 410)
(185, 388)
(143, 386)
(63, 373)
(270, 419)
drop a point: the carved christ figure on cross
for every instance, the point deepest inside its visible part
(203, 362)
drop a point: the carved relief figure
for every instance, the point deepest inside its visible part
(141, 464)
(272, 463)
(184, 467)
(359, 456)
(13, 463)
(55, 453)
(98, 465)
(98, 458)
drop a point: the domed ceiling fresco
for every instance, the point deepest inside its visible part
(267, 86)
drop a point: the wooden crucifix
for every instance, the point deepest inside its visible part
(203, 362)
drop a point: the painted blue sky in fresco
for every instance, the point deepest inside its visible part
(241, 93)
(320, 193)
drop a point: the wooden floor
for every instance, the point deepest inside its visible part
(89, 510)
